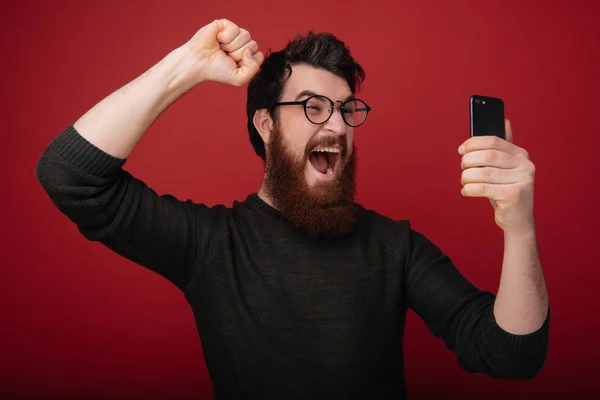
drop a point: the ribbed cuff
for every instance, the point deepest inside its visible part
(70, 146)
(520, 346)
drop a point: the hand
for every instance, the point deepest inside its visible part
(502, 172)
(226, 53)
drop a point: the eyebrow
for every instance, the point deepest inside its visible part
(308, 93)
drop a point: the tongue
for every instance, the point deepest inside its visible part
(319, 161)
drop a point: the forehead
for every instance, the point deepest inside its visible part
(305, 77)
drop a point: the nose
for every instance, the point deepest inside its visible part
(335, 124)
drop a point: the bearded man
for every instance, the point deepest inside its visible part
(298, 292)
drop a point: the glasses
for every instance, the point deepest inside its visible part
(318, 109)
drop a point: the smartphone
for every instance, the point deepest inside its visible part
(487, 116)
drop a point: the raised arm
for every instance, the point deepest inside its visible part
(118, 122)
(82, 169)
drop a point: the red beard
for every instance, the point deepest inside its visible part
(324, 210)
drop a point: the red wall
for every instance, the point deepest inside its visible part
(78, 320)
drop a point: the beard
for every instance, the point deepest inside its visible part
(325, 210)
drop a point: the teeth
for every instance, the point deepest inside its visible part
(329, 150)
(329, 170)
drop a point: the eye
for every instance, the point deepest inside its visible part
(318, 104)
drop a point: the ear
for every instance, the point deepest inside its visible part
(264, 124)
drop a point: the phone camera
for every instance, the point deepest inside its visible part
(477, 101)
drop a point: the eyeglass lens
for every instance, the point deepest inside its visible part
(318, 110)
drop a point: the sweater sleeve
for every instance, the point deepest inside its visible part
(110, 206)
(462, 315)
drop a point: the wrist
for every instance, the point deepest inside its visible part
(523, 225)
(524, 233)
(179, 71)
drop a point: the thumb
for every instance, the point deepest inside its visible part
(508, 131)
(213, 29)
(249, 65)
(206, 34)
(220, 30)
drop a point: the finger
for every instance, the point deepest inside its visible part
(227, 31)
(237, 55)
(238, 42)
(508, 130)
(489, 175)
(489, 158)
(258, 57)
(250, 65)
(491, 142)
(487, 190)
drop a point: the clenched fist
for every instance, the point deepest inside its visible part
(225, 53)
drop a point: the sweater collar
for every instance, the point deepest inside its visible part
(255, 201)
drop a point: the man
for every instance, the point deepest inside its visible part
(299, 292)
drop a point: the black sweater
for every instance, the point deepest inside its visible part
(280, 314)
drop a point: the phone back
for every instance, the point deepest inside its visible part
(487, 116)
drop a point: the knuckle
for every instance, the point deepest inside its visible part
(245, 35)
(484, 189)
(493, 141)
(486, 173)
(490, 156)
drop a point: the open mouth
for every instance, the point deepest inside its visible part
(325, 160)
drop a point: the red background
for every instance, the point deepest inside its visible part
(77, 320)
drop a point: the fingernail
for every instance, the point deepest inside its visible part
(461, 149)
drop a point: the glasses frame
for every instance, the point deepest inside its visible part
(304, 102)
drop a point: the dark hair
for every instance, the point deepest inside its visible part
(319, 50)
